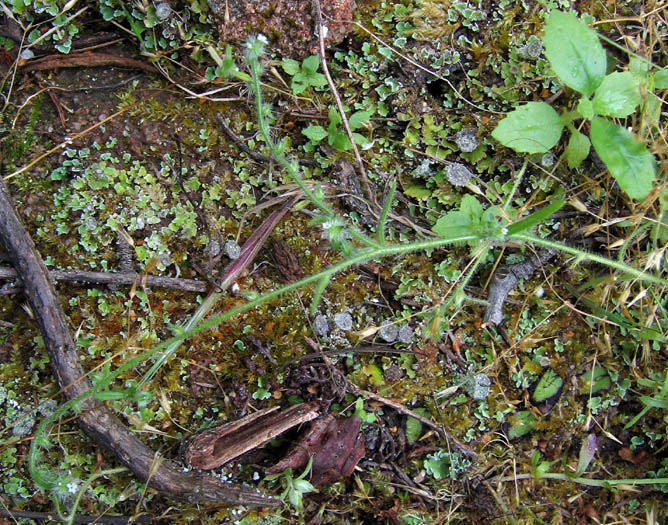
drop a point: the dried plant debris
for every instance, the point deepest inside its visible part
(216, 446)
(336, 445)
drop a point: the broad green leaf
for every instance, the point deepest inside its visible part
(520, 424)
(548, 388)
(661, 79)
(594, 381)
(315, 133)
(464, 221)
(311, 63)
(617, 96)
(334, 117)
(337, 139)
(532, 128)
(359, 119)
(574, 51)
(629, 162)
(291, 67)
(317, 80)
(586, 108)
(359, 139)
(299, 83)
(417, 192)
(577, 149)
(414, 426)
(536, 217)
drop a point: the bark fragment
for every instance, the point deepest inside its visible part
(505, 278)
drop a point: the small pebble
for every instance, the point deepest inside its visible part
(405, 334)
(24, 424)
(232, 250)
(547, 160)
(467, 140)
(393, 373)
(479, 386)
(344, 321)
(214, 248)
(388, 332)
(321, 326)
(163, 10)
(457, 174)
(533, 48)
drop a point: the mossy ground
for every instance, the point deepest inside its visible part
(121, 177)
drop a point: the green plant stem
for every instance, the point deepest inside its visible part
(380, 231)
(591, 482)
(70, 519)
(625, 268)
(39, 472)
(518, 180)
(291, 167)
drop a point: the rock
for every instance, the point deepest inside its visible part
(232, 250)
(388, 332)
(467, 140)
(405, 334)
(344, 321)
(321, 326)
(287, 24)
(479, 386)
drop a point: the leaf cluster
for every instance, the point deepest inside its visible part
(579, 60)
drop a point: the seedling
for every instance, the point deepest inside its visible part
(294, 488)
(304, 76)
(579, 60)
(336, 138)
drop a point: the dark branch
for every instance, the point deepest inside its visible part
(113, 279)
(98, 422)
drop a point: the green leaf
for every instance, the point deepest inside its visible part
(315, 133)
(548, 387)
(594, 381)
(535, 218)
(334, 117)
(311, 64)
(299, 83)
(586, 108)
(577, 149)
(291, 67)
(532, 128)
(574, 51)
(414, 426)
(521, 424)
(359, 119)
(417, 192)
(629, 162)
(438, 465)
(465, 221)
(661, 79)
(317, 80)
(617, 96)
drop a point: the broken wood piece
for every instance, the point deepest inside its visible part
(86, 59)
(216, 446)
(505, 278)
